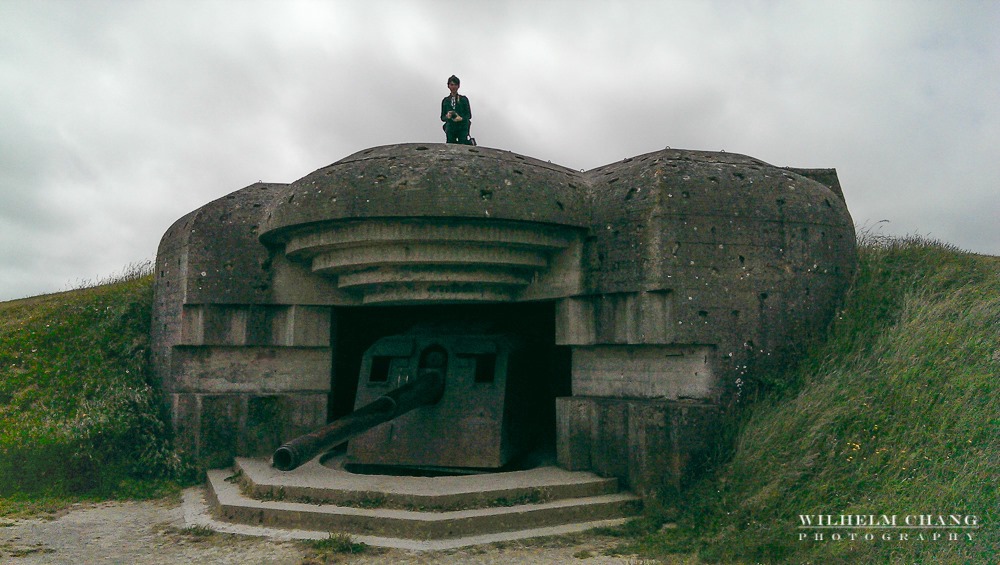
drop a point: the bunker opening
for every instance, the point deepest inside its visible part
(501, 373)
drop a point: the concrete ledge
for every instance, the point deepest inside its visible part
(196, 513)
(250, 369)
(230, 505)
(330, 483)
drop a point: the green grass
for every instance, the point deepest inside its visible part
(897, 412)
(79, 414)
(329, 549)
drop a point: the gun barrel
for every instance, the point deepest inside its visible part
(425, 389)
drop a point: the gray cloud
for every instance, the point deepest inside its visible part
(120, 117)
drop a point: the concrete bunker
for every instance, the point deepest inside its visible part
(651, 286)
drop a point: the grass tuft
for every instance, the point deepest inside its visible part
(335, 545)
(198, 531)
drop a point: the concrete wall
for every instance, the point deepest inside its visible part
(748, 257)
(239, 371)
(652, 446)
(243, 379)
(654, 371)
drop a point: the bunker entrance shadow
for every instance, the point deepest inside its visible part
(355, 329)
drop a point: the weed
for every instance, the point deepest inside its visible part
(336, 544)
(536, 495)
(23, 550)
(44, 507)
(644, 525)
(198, 531)
(370, 500)
(277, 494)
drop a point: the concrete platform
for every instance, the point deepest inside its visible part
(330, 483)
(413, 512)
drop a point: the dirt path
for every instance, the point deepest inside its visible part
(155, 533)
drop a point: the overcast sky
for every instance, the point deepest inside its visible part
(118, 117)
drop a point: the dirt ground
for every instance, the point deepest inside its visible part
(154, 532)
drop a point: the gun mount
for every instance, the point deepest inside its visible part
(425, 389)
(482, 419)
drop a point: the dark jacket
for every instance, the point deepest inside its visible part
(462, 108)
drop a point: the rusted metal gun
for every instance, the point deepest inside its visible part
(424, 390)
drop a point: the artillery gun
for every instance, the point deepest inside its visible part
(429, 399)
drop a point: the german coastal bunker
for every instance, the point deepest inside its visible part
(604, 316)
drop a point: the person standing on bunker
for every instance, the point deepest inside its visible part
(456, 114)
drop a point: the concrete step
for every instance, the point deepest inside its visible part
(330, 483)
(198, 513)
(416, 524)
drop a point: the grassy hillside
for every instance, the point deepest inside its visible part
(898, 412)
(78, 413)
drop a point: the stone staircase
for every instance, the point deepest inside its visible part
(413, 512)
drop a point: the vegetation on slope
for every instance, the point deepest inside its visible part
(897, 412)
(79, 415)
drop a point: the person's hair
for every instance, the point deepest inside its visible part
(454, 79)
